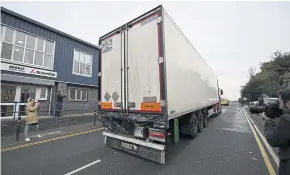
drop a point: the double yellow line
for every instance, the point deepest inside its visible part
(51, 139)
(260, 145)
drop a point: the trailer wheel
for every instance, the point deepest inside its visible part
(205, 118)
(194, 126)
(201, 121)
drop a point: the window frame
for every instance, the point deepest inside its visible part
(3, 33)
(38, 93)
(77, 89)
(91, 63)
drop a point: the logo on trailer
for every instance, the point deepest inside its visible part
(107, 45)
(129, 146)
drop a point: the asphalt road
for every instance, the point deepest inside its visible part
(227, 146)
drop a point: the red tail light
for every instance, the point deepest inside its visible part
(157, 134)
(215, 108)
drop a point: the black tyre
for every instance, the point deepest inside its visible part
(205, 118)
(200, 123)
(194, 126)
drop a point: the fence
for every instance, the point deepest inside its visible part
(47, 109)
(77, 114)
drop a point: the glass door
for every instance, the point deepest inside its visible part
(25, 93)
(8, 97)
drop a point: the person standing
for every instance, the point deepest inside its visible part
(31, 118)
(59, 101)
(278, 134)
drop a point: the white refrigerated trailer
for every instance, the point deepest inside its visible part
(153, 85)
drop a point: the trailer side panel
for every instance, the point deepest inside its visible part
(191, 84)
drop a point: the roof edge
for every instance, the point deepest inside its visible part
(144, 13)
(46, 26)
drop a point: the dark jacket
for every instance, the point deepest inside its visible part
(278, 135)
(60, 97)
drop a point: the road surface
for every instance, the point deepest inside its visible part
(227, 146)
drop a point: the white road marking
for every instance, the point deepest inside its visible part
(48, 133)
(83, 167)
(269, 148)
(251, 120)
(235, 130)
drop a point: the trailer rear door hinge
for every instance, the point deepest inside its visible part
(100, 74)
(131, 105)
(159, 19)
(118, 104)
(162, 103)
(160, 60)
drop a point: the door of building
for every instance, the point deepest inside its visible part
(8, 97)
(25, 93)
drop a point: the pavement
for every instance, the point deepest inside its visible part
(46, 123)
(51, 133)
(228, 146)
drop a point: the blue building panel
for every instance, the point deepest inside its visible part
(64, 47)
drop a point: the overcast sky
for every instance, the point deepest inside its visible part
(231, 36)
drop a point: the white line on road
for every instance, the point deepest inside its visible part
(48, 133)
(83, 167)
(275, 157)
(250, 118)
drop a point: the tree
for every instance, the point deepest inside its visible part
(274, 75)
(252, 72)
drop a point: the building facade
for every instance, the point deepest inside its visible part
(37, 61)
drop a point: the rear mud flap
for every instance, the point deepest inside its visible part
(146, 150)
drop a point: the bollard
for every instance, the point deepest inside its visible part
(95, 116)
(18, 128)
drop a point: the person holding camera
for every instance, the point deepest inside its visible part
(59, 99)
(278, 133)
(31, 118)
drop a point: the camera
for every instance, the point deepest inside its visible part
(271, 109)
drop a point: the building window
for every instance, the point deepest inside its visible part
(18, 46)
(82, 64)
(41, 93)
(78, 94)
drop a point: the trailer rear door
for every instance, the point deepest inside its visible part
(143, 73)
(112, 77)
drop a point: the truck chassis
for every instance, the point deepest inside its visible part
(152, 149)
